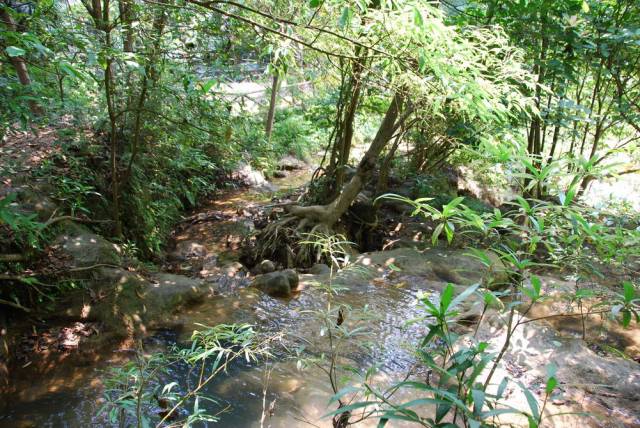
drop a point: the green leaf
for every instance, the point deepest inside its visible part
(422, 402)
(531, 400)
(464, 295)
(449, 229)
(450, 207)
(480, 255)
(626, 318)
(394, 268)
(585, 6)
(478, 400)
(344, 391)
(502, 387)
(70, 71)
(417, 18)
(345, 18)
(434, 331)
(14, 51)
(629, 291)
(537, 285)
(446, 297)
(206, 87)
(436, 233)
(442, 410)
(314, 3)
(350, 407)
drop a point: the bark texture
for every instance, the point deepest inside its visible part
(328, 215)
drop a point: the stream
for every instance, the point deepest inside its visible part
(68, 391)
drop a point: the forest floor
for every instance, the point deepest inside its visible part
(24, 151)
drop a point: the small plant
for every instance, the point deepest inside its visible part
(24, 228)
(139, 393)
(340, 324)
(453, 391)
(626, 303)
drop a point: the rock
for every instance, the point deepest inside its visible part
(277, 284)
(438, 265)
(36, 201)
(320, 269)
(249, 176)
(126, 304)
(290, 163)
(266, 266)
(209, 266)
(582, 374)
(85, 248)
(293, 278)
(168, 292)
(188, 249)
(232, 269)
(497, 275)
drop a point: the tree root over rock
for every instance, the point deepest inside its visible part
(284, 239)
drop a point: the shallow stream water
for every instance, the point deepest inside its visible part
(68, 391)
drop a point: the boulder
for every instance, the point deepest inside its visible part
(126, 304)
(266, 266)
(249, 176)
(188, 249)
(277, 284)
(320, 269)
(36, 201)
(290, 163)
(167, 292)
(85, 248)
(232, 269)
(439, 265)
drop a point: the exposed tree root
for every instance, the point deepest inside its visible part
(281, 241)
(14, 305)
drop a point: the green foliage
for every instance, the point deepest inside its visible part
(24, 228)
(294, 133)
(163, 186)
(144, 391)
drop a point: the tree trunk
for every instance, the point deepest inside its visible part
(272, 106)
(345, 140)
(328, 215)
(126, 16)
(150, 74)
(383, 178)
(18, 62)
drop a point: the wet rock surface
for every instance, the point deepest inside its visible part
(277, 284)
(386, 283)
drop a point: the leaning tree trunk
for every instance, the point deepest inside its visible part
(282, 240)
(328, 215)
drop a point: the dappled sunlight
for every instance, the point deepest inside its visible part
(320, 214)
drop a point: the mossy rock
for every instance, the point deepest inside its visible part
(85, 248)
(127, 304)
(277, 284)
